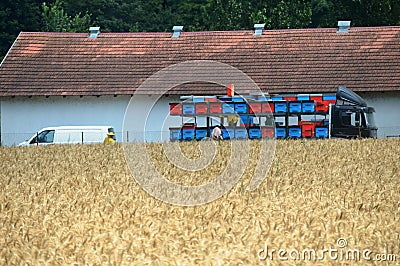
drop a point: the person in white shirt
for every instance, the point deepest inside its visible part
(217, 133)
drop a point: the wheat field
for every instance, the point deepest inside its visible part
(80, 205)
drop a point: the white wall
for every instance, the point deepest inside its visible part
(387, 115)
(149, 114)
(21, 117)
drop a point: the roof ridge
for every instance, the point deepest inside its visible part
(217, 31)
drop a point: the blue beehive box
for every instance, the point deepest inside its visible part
(228, 108)
(188, 108)
(240, 133)
(254, 133)
(280, 107)
(188, 134)
(175, 134)
(321, 132)
(329, 97)
(246, 120)
(198, 99)
(201, 133)
(277, 98)
(294, 107)
(241, 108)
(186, 98)
(295, 132)
(228, 133)
(237, 99)
(225, 99)
(280, 132)
(308, 107)
(303, 97)
(264, 99)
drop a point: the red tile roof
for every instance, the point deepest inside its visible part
(279, 61)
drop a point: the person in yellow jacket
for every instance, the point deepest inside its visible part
(232, 120)
(110, 138)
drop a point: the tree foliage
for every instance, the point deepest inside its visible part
(194, 15)
(284, 14)
(17, 16)
(55, 19)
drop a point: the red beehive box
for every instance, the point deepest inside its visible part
(316, 98)
(210, 99)
(215, 107)
(321, 107)
(189, 126)
(290, 98)
(201, 108)
(267, 107)
(267, 132)
(327, 102)
(307, 130)
(255, 107)
(175, 108)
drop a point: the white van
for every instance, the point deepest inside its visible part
(69, 135)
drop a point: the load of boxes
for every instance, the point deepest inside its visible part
(296, 115)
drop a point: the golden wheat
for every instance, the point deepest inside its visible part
(80, 205)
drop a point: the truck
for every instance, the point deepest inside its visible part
(351, 117)
(258, 116)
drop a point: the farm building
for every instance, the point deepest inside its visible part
(50, 79)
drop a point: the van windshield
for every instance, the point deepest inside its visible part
(46, 136)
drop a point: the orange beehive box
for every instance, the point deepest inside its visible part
(175, 108)
(267, 132)
(255, 107)
(201, 108)
(215, 107)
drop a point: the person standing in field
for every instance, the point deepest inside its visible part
(217, 133)
(232, 120)
(110, 138)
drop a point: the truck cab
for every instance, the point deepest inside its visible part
(351, 117)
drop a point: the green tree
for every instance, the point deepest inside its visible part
(123, 16)
(324, 13)
(55, 19)
(192, 14)
(228, 15)
(284, 14)
(361, 13)
(17, 16)
(156, 15)
(376, 13)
